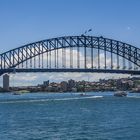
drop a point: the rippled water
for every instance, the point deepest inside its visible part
(40, 116)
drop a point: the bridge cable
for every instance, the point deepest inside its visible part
(98, 54)
(71, 53)
(85, 52)
(111, 56)
(91, 44)
(105, 51)
(78, 56)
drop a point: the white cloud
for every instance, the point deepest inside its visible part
(128, 28)
(24, 77)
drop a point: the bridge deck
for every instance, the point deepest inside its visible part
(132, 72)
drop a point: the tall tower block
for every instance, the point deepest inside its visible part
(6, 82)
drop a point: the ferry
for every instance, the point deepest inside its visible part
(120, 94)
(20, 92)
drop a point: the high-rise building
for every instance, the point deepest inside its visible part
(6, 82)
(46, 83)
(64, 86)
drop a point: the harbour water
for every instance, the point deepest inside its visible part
(69, 116)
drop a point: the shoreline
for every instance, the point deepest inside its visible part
(48, 92)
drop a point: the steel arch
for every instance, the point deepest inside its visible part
(14, 57)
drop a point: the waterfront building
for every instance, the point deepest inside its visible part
(46, 83)
(54, 88)
(64, 86)
(71, 84)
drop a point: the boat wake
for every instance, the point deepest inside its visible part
(45, 100)
(79, 98)
(133, 96)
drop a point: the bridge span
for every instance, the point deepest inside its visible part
(73, 54)
(37, 70)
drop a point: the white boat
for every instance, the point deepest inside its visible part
(82, 94)
(20, 92)
(15, 93)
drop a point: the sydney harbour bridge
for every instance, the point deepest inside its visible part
(73, 54)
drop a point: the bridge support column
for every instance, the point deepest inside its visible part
(6, 82)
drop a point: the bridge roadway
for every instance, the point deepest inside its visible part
(132, 72)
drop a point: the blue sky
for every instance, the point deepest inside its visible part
(25, 21)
